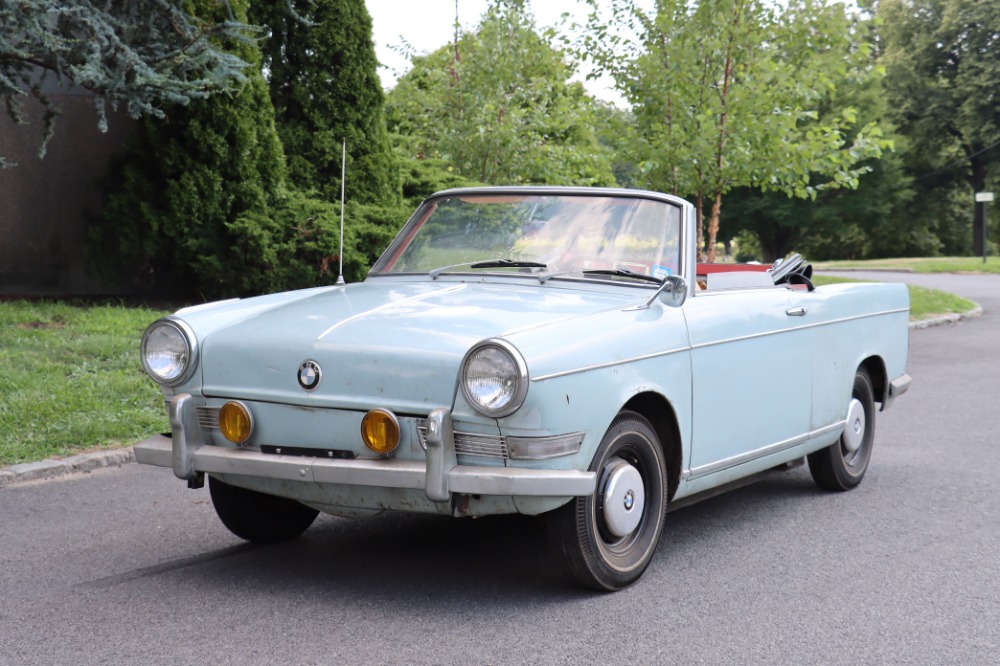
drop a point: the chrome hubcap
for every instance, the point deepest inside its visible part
(624, 497)
(854, 431)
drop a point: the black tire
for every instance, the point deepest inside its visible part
(607, 550)
(258, 517)
(842, 465)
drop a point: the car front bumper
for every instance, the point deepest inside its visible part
(440, 475)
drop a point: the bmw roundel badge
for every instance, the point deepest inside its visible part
(310, 375)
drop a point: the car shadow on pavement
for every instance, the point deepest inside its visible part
(418, 559)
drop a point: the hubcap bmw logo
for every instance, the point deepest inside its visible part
(310, 375)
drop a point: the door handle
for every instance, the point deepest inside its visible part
(796, 312)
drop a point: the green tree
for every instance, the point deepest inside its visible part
(188, 208)
(874, 220)
(202, 204)
(497, 106)
(322, 74)
(140, 54)
(942, 59)
(868, 222)
(730, 93)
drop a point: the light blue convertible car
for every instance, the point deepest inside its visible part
(527, 350)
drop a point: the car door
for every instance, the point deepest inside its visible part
(751, 357)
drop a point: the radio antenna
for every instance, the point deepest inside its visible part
(343, 181)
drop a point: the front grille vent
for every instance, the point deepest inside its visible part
(208, 417)
(471, 443)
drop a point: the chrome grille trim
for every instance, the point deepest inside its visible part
(491, 446)
(471, 443)
(208, 417)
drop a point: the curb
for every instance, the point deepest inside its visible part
(55, 468)
(942, 320)
(837, 269)
(88, 462)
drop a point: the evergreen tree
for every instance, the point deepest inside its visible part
(188, 208)
(202, 204)
(141, 54)
(325, 88)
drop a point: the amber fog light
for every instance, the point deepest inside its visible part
(235, 422)
(380, 431)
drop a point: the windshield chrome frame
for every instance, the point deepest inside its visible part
(686, 259)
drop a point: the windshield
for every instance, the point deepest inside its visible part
(538, 233)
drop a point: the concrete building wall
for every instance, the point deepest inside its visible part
(45, 203)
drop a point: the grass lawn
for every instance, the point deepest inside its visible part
(71, 380)
(920, 265)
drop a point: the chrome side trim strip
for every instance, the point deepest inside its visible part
(803, 327)
(609, 364)
(703, 345)
(549, 322)
(771, 449)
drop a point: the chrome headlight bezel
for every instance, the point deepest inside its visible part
(516, 377)
(189, 353)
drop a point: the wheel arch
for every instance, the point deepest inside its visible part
(661, 415)
(877, 372)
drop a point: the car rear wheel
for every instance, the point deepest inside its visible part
(842, 465)
(259, 517)
(607, 540)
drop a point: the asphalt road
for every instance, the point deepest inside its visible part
(128, 566)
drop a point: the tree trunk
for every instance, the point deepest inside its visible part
(713, 226)
(700, 235)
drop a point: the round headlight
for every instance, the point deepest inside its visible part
(494, 378)
(168, 352)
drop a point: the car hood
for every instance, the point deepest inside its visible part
(381, 343)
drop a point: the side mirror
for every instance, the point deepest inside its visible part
(673, 291)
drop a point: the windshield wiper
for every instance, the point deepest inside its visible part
(500, 263)
(624, 272)
(495, 263)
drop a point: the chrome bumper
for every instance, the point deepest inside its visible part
(440, 476)
(897, 387)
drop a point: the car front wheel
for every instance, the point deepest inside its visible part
(259, 517)
(607, 540)
(842, 465)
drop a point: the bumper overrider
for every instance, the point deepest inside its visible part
(439, 476)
